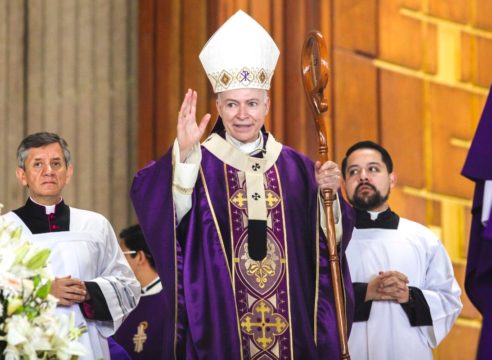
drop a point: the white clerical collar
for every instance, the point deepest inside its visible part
(154, 287)
(375, 214)
(50, 209)
(246, 148)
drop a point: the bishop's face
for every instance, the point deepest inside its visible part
(367, 181)
(243, 112)
(45, 173)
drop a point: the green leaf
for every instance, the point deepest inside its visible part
(16, 233)
(38, 260)
(36, 280)
(13, 306)
(20, 252)
(44, 290)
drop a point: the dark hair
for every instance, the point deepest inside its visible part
(134, 239)
(367, 144)
(37, 140)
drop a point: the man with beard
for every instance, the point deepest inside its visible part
(407, 298)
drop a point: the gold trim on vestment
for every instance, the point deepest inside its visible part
(286, 261)
(224, 253)
(233, 263)
(316, 294)
(175, 285)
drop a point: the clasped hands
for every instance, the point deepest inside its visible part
(389, 285)
(69, 291)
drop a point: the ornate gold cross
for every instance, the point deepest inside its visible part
(239, 200)
(269, 323)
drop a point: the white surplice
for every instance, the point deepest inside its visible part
(90, 252)
(415, 251)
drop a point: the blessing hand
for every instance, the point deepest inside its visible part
(188, 131)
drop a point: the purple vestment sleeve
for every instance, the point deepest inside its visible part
(151, 194)
(478, 280)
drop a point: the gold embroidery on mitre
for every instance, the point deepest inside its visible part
(245, 76)
(262, 76)
(240, 78)
(225, 78)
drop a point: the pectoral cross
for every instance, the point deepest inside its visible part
(140, 337)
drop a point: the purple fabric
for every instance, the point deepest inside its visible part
(478, 279)
(149, 309)
(478, 164)
(152, 199)
(116, 351)
(207, 319)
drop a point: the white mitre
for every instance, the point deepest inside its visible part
(241, 54)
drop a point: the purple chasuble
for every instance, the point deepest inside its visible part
(478, 279)
(260, 286)
(208, 288)
(142, 334)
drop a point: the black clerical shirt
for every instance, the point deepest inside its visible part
(416, 308)
(36, 219)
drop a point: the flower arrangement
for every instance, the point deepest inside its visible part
(29, 327)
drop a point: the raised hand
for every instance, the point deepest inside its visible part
(189, 132)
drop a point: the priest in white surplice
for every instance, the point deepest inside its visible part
(407, 298)
(93, 278)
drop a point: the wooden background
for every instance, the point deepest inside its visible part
(410, 74)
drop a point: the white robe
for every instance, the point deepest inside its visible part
(415, 251)
(90, 252)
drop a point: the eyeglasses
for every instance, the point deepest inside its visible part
(129, 252)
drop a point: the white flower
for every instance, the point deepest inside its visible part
(10, 284)
(32, 329)
(27, 289)
(18, 328)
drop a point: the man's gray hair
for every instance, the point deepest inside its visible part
(37, 140)
(265, 95)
